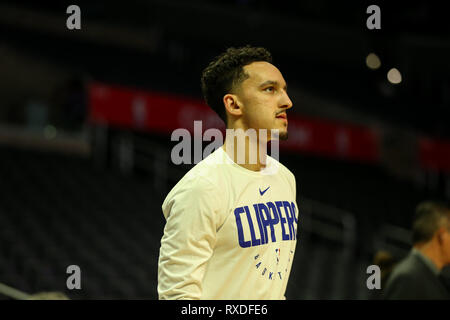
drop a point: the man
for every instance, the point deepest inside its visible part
(418, 275)
(231, 225)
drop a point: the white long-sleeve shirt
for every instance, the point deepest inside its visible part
(230, 232)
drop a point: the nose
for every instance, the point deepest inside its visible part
(285, 101)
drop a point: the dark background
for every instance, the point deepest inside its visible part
(65, 200)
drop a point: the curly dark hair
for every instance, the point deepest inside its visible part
(226, 72)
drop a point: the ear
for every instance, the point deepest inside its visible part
(441, 233)
(232, 104)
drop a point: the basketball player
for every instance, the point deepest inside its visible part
(231, 225)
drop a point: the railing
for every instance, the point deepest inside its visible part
(328, 222)
(13, 293)
(57, 141)
(393, 239)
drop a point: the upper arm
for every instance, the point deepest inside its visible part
(188, 240)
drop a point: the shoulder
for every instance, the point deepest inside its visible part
(411, 264)
(407, 268)
(408, 279)
(283, 171)
(199, 183)
(205, 173)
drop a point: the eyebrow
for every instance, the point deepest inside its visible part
(268, 82)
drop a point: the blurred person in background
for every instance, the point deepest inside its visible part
(419, 276)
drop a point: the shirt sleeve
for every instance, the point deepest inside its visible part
(189, 237)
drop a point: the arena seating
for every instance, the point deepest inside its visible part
(56, 211)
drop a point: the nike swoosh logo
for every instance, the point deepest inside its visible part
(262, 192)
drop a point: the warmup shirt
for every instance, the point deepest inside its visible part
(230, 232)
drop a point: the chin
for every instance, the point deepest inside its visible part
(283, 135)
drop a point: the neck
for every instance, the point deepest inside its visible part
(431, 252)
(249, 153)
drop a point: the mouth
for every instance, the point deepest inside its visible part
(282, 116)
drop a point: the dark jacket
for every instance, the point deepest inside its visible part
(412, 279)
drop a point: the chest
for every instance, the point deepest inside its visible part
(260, 213)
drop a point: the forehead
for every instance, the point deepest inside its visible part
(261, 71)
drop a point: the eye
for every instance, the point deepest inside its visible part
(269, 89)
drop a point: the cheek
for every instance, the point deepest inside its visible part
(259, 112)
